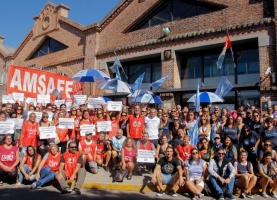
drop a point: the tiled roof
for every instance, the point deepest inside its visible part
(171, 38)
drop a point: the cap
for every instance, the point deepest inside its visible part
(249, 111)
(217, 136)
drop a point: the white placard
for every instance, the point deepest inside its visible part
(47, 132)
(18, 96)
(58, 103)
(50, 116)
(114, 106)
(104, 126)
(43, 98)
(6, 127)
(38, 115)
(146, 156)
(68, 105)
(7, 99)
(31, 100)
(87, 129)
(66, 123)
(80, 99)
(95, 102)
(18, 123)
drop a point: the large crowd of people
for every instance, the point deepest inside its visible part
(235, 149)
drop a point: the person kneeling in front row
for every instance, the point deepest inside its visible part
(70, 169)
(219, 177)
(168, 171)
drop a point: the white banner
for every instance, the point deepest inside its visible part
(80, 99)
(31, 100)
(58, 103)
(47, 132)
(114, 106)
(7, 99)
(18, 96)
(18, 123)
(146, 156)
(41, 98)
(38, 115)
(104, 126)
(66, 123)
(95, 102)
(6, 127)
(87, 129)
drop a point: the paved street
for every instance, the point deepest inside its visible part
(8, 192)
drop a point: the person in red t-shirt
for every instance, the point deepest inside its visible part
(128, 156)
(48, 167)
(184, 150)
(103, 151)
(135, 126)
(115, 125)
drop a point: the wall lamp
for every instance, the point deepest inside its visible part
(166, 31)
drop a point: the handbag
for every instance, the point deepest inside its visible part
(120, 175)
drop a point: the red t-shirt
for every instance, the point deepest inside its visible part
(136, 126)
(8, 156)
(30, 134)
(184, 152)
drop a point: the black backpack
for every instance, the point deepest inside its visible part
(120, 175)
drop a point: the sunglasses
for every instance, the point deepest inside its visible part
(176, 119)
(256, 115)
(221, 154)
(246, 130)
(74, 147)
(173, 111)
(18, 109)
(143, 111)
(164, 116)
(267, 145)
(73, 110)
(217, 138)
(204, 142)
(194, 153)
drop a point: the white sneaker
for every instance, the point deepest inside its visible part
(34, 185)
(273, 194)
(264, 195)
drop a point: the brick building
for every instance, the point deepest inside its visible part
(189, 50)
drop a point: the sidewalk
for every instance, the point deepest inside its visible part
(103, 181)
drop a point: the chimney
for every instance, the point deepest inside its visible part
(1, 39)
(63, 10)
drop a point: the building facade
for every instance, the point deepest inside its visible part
(180, 37)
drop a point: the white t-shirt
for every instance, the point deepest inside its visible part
(152, 127)
(202, 130)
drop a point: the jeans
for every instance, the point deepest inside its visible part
(217, 185)
(46, 175)
(27, 170)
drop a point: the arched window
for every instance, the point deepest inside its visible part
(49, 46)
(172, 10)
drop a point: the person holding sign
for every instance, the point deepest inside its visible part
(3, 118)
(48, 167)
(29, 133)
(62, 132)
(84, 121)
(135, 126)
(45, 143)
(145, 144)
(115, 124)
(70, 169)
(88, 149)
(29, 165)
(72, 133)
(103, 151)
(9, 159)
(168, 171)
(128, 156)
(100, 118)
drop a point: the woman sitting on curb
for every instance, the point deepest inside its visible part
(128, 156)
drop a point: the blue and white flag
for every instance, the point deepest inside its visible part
(116, 65)
(224, 87)
(117, 74)
(194, 134)
(137, 83)
(221, 57)
(159, 82)
(197, 98)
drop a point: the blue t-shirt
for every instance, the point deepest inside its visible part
(118, 143)
(195, 169)
(270, 135)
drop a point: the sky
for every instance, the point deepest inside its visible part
(16, 16)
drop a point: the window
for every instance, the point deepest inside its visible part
(172, 10)
(133, 69)
(49, 46)
(202, 64)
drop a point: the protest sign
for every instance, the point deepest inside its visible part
(43, 98)
(18, 96)
(50, 116)
(146, 156)
(31, 100)
(95, 102)
(47, 132)
(68, 105)
(6, 127)
(87, 129)
(104, 126)
(58, 103)
(114, 106)
(80, 99)
(18, 123)
(33, 81)
(66, 123)
(7, 99)
(38, 115)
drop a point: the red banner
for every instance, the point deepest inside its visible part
(32, 82)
